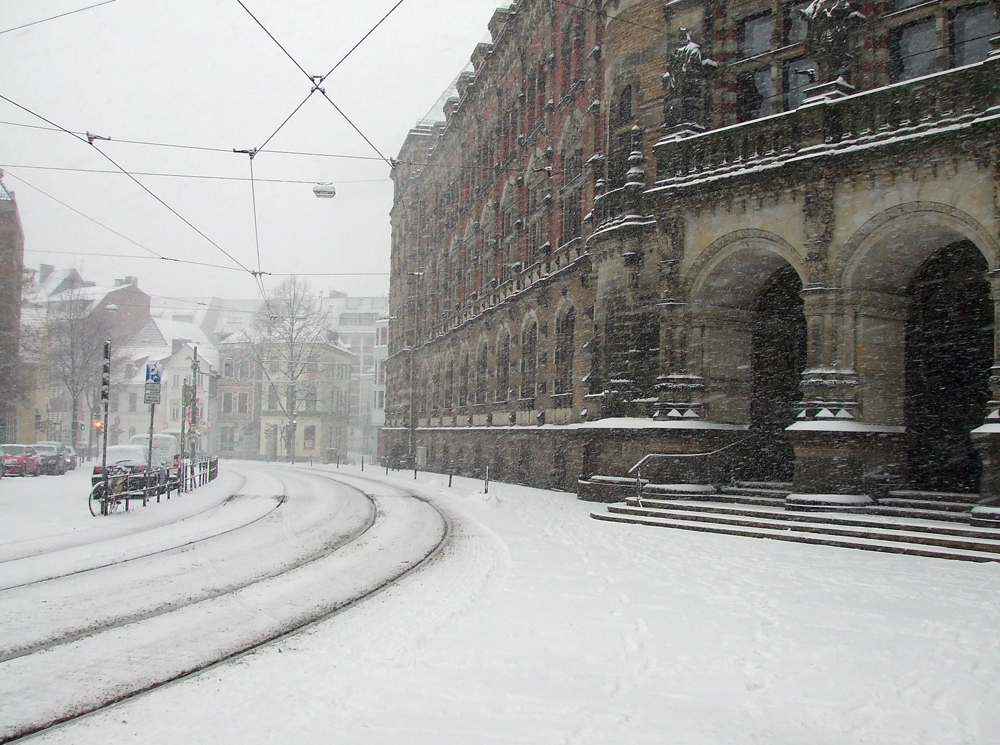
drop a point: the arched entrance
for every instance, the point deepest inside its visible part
(922, 330)
(778, 345)
(949, 351)
(752, 340)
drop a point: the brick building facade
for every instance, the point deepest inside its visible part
(11, 272)
(756, 238)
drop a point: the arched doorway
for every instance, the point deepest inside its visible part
(778, 348)
(750, 345)
(948, 354)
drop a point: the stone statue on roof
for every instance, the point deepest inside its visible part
(828, 36)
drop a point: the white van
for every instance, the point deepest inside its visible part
(166, 447)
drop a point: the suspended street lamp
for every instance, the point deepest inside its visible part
(325, 191)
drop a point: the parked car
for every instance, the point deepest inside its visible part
(50, 459)
(165, 447)
(133, 458)
(72, 459)
(20, 459)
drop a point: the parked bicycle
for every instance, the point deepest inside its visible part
(110, 496)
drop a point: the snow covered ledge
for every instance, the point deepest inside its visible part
(827, 502)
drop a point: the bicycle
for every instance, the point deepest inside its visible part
(108, 496)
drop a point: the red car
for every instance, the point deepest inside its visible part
(20, 459)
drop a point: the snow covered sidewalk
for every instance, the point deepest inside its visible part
(537, 624)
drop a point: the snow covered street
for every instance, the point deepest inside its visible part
(531, 622)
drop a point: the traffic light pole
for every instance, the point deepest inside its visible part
(106, 398)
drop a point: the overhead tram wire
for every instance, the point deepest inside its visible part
(61, 15)
(317, 81)
(199, 176)
(90, 140)
(154, 254)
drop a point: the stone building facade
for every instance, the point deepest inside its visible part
(749, 240)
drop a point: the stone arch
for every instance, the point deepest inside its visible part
(920, 335)
(709, 281)
(749, 340)
(871, 259)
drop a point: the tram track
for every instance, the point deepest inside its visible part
(343, 575)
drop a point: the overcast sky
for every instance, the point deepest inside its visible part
(203, 73)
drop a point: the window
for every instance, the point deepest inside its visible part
(754, 94)
(798, 76)
(626, 106)
(529, 361)
(227, 403)
(755, 35)
(272, 398)
(971, 29)
(309, 438)
(565, 330)
(503, 368)
(244, 373)
(916, 50)
(796, 27)
(243, 403)
(463, 380)
(482, 375)
(133, 402)
(227, 368)
(227, 439)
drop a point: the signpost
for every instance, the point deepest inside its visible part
(151, 396)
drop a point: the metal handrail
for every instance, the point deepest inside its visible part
(650, 456)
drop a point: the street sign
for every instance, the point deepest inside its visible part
(151, 394)
(153, 372)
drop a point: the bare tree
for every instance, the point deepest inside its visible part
(283, 338)
(76, 337)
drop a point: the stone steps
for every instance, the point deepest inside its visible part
(913, 523)
(888, 536)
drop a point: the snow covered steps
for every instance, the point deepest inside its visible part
(908, 533)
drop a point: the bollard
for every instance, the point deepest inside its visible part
(414, 472)
(362, 464)
(486, 486)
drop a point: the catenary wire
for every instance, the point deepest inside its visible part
(198, 176)
(61, 15)
(133, 178)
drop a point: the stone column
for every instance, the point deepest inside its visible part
(986, 438)
(836, 452)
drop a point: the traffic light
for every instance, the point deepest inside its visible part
(98, 425)
(82, 426)
(106, 373)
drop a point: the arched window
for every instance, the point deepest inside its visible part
(482, 374)
(463, 380)
(529, 361)
(565, 330)
(503, 366)
(626, 102)
(449, 383)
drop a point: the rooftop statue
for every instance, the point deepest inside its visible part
(828, 37)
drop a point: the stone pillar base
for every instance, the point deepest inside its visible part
(986, 441)
(839, 464)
